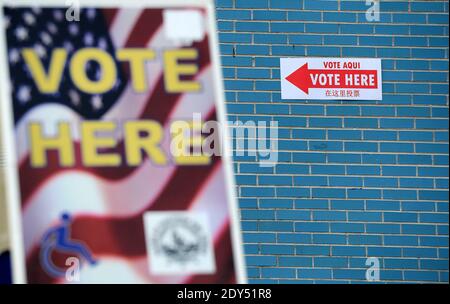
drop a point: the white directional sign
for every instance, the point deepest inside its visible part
(331, 78)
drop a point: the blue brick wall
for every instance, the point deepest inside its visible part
(355, 179)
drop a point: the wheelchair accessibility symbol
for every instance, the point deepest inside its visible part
(58, 239)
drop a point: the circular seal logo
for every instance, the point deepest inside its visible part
(180, 239)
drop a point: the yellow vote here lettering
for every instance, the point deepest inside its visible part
(177, 63)
(99, 144)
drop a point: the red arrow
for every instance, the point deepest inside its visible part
(306, 79)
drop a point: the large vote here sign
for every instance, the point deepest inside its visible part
(331, 78)
(104, 107)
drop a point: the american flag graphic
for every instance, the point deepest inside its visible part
(107, 203)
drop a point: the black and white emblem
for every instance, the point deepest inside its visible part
(179, 243)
